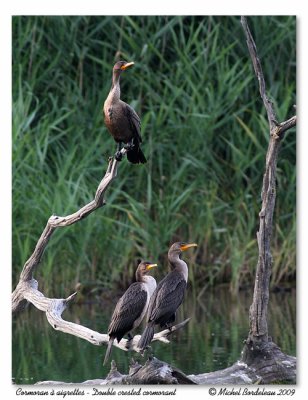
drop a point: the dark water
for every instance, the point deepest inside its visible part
(212, 340)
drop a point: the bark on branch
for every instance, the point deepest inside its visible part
(27, 288)
(54, 222)
(262, 361)
(258, 309)
(268, 366)
(55, 307)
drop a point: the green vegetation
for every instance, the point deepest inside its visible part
(205, 136)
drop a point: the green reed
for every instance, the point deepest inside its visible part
(205, 136)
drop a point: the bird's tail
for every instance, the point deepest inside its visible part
(108, 351)
(135, 155)
(147, 336)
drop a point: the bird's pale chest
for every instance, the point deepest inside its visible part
(109, 109)
(110, 105)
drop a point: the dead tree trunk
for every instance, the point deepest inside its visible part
(258, 311)
(258, 345)
(261, 361)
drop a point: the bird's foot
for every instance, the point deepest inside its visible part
(118, 156)
(169, 327)
(129, 340)
(129, 146)
(148, 351)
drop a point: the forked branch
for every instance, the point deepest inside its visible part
(54, 222)
(27, 288)
(55, 307)
(275, 127)
(258, 309)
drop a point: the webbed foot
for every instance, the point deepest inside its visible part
(129, 339)
(129, 146)
(118, 156)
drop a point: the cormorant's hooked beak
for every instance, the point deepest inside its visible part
(188, 246)
(127, 65)
(150, 266)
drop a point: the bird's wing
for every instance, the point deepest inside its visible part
(134, 121)
(167, 297)
(128, 309)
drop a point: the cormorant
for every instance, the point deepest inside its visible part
(122, 120)
(168, 295)
(132, 306)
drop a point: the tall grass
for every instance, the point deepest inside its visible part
(205, 136)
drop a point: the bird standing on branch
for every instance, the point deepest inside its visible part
(168, 295)
(122, 120)
(132, 306)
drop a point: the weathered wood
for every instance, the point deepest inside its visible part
(27, 289)
(262, 361)
(54, 222)
(153, 372)
(55, 307)
(258, 310)
(266, 365)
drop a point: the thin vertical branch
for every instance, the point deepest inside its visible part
(268, 104)
(258, 309)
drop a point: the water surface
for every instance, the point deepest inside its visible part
(212, 340)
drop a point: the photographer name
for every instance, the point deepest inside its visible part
(251, 392)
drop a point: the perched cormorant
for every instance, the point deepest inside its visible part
(132, 306)
(122, 120)
(168, 295)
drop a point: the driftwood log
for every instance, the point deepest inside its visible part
(261, 361)
(260, 370)
(152, 372)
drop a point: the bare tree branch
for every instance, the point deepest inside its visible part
(268, 104)
(55, 307)
(275, 127)
(54, 222)
(258, 309)
(27, 288)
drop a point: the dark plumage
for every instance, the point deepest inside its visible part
(122, 120)
(132, 306)
(168, 294)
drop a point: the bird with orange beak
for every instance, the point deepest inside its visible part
(168, 295)
(121, 119)
(132, 306)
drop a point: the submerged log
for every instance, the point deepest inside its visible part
(153, 372)
(264, 365)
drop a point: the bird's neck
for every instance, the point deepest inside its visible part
(150, 283)
(140, 277)
(115, 91)
(179, 265)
